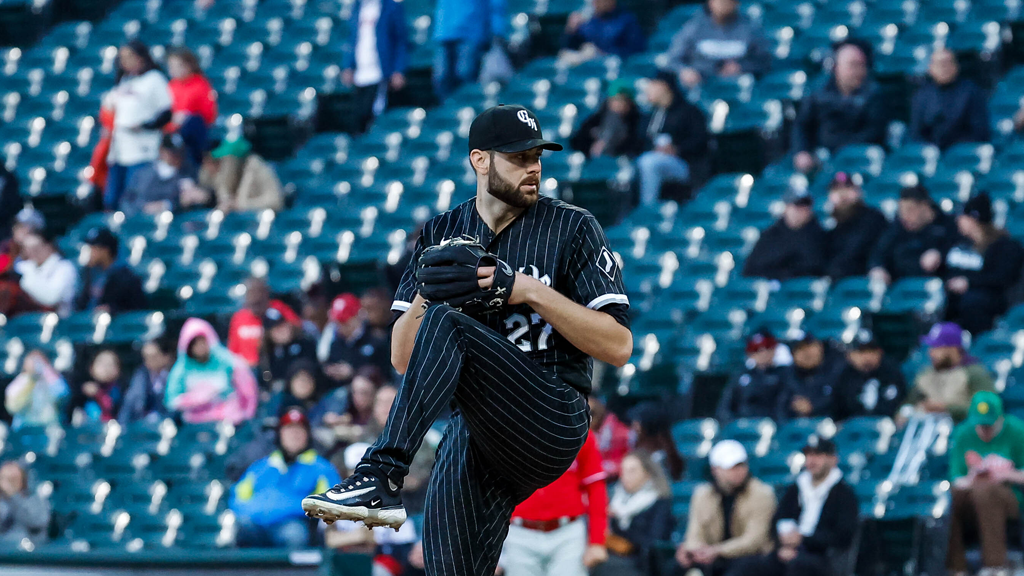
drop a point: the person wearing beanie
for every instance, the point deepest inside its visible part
(981, 269)
(614, 129)
(857, 228)
(793, 246)
(676, 137)
(915, 243)
(718, 41)
(240, 178)
(953, 377)
(107, 284)
(757, 390)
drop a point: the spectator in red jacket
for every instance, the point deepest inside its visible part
(193, 102)
(245, 334)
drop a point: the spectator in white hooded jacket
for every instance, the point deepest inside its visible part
(141, 103)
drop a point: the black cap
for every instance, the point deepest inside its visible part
(864, 339)
(272, 317)
(845, 180)
(173, 142)
(819, 445)
(798, 195)
(103, 238)
(978, 207)
(916, 192)
(803, 339)
(508, 128)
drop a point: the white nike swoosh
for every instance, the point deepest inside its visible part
(346, 495)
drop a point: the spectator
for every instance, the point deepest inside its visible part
(756, 391)
(948, 109)
(651, 428)
(355, 422)
(193, 102)
(98, 398)
(207, 382)
(106, 284)
(241, 180)
(816, 519)
(610, 31)
(10, 202)
(378, 58)
(158, 186)
(953, 378)
(915, 243)
(27, 221)
(141, 105)
(23, 515)
(284, 344)
(719, 41)
(13, 299)
(47, 278)
(36, 395)
(549, 535)
(848, 244)
(792, 247)
(462, 31)
(264, 501)
(730, 517)
(848, 109)
(376, 306)
(144, 399)
(816, 366)
(676, 138)
(986, 458)
(347, 345)
(614, 129)
(305, 390)
(613, 437)
(870, 384)
(981, 269)
(245, 333)
(640, 517)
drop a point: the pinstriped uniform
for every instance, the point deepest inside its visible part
(517, 386)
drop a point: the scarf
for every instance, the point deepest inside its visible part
(625, 506)
(812, 498)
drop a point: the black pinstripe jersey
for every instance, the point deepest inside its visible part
(561, 245)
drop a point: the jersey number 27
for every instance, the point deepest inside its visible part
(521, 333)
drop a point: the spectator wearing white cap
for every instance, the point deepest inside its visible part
(730, 517)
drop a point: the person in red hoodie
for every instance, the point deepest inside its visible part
(193, 102)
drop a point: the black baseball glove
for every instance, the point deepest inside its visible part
(446, 274)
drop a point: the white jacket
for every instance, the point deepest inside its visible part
(52, 283)
(136, 101)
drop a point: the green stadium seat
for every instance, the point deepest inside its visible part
(915, 294)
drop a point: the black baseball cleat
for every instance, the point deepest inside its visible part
(361, 497)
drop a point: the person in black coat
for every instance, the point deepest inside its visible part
(792, 247)
(870, 384)
(676, 137)
(614, 129)
(756, 391)
(980, 269)
(807, 544)
(915, 243)
(106, 284)
(848, 244)
(10, 201)
(948, 110)
(811, 389)
(284, 344)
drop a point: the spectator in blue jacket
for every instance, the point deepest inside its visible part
(462, 31)
(378, 58)
(266, 500)
(611, 31)
(948, 109)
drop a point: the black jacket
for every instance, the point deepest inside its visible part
(145, 396)
(365, 349)
(837, 525)
(876, 393)
(990, 276)
(754, 393)
(277, 361)
(685, 123)
(647, 529)
(817, 385)
(782, 253)
(899, 251)
(121, 292)
(948, 115)
(848, 246)
(827, 119)
(630, 141)
(10, 201)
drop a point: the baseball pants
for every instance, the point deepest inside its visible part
(516, 428)
(556, 553)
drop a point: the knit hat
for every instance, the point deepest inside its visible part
(621, 87)
(237, 147)
(978, 207)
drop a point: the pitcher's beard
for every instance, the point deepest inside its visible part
(510, 193)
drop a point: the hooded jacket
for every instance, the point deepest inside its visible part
(704, 45)
(222, 388)
(683, 122)
(271, 488)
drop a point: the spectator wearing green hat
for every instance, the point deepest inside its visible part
(240, 178)
(986, 458)
(614, 129)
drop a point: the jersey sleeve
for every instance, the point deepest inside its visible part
(595, 276)
(406, 292)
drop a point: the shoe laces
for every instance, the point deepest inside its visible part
(352, 482)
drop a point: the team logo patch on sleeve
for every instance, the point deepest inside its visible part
(606, 262)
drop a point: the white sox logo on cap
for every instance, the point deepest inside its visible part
(525, 118)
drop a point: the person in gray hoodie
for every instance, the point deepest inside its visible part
(23, 515)
(719, 41)
(156, 186)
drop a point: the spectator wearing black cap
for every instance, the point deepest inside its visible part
(284, 344)
(676, 137)
(811, 390)
(756, 391)
(106, 284)
(980, 269)
(870, 384)
(157, 186)
(816, 520)
(848, 109)
(792, 247)
(47, 277)
(914, 244)
(857, 228)
(948, 109)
